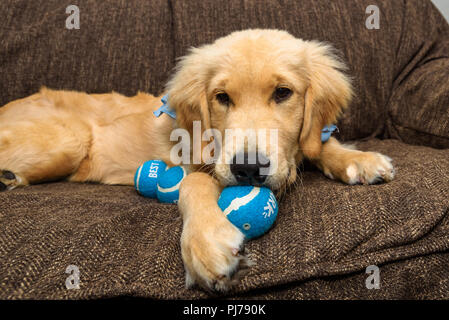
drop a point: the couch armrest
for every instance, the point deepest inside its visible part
(419, 105)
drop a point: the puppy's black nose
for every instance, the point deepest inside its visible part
(250, 168)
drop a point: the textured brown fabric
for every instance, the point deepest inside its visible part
(326, 234)
(370, 54)
(403, 279)
(412, 34)
(121, 45)
(128, 46)
(419, 105)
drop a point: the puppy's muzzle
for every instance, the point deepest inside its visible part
(250, 168)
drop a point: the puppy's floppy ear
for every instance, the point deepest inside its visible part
(187, 91)
(328, 94)
(187, 95)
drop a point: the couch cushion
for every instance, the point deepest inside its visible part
(419, 105)
(123, 46)
(370, 54)
(124, 244)
(402, 279)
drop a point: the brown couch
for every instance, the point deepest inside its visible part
(326, 233)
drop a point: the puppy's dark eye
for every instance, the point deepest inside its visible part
(223, 98)
(281, 94)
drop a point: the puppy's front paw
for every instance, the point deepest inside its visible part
(213, 255)
(368, 168)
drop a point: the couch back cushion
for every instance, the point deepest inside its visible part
(128, 46)
(121, 45)
(419, 105)
(369, 53)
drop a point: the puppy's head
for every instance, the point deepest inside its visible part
(266, 95)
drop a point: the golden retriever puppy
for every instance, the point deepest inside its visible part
(262, 80)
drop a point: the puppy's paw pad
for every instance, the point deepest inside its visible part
(370, 168)
(225, 282)
(9, 180)
(215, 263)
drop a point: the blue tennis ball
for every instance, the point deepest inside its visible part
(168, 184)
(145, 179)
(252, 210)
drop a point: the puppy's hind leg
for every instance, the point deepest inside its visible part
(39, 150)
(10, 180)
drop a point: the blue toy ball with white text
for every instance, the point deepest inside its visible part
(146, 177)
(168, 184)
(253, 210)
(154, 180)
